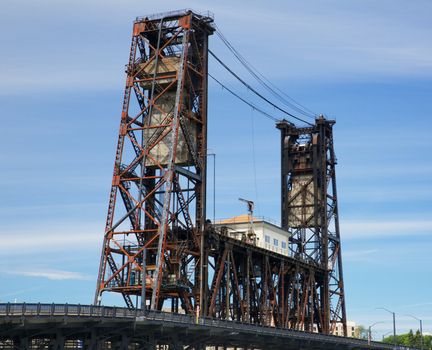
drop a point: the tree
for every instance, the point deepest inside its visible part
(427, 342)
(411, 340)
(361, 332)
(408, 339)
(417, 339)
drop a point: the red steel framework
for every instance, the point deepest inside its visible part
(155, 223)
(158, 246)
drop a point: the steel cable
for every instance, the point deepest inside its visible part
(250, 104)
(268, 85)
(256, 92)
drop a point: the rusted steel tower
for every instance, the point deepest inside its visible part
(153, 243)
(304, 290)
(310, 211)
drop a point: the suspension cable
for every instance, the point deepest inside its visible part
(250, 104)
(265, 81)
(256, 92)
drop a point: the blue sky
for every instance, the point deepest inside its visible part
(368, 64)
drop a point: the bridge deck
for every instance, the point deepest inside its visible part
(63, 326)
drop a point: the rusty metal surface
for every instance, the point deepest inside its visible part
(158, 251)
(310, 212)
(155, 223)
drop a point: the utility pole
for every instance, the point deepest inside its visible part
(394, 324)
(421, 330)
(370, 332)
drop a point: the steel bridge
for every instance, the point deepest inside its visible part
(63, 326)
(160, 250)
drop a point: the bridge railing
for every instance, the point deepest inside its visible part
(78, 310)
(24, 309)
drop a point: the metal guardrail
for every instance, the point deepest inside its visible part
(24, 309)
(77, 310)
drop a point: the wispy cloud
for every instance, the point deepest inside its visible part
(384, 170)
(359, 229)
(429, 303)
(385, 193)
(353, 40)
(52, 274)
(49, 237)
(19, 291)
(359, 255)
(56, 78)
(321, 41)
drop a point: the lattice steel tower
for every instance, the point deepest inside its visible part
(153, 242)
(310, 211)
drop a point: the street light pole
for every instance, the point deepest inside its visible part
(394, 324)
(370, 332)
(384, 335)
(421, 330)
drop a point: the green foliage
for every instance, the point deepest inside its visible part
(411, 340)
(361, 332)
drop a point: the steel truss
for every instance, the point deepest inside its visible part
(310, 212)
(157, 247)
(254, 285)
(155, 223)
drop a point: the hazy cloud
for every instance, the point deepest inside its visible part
(52, 274)
(46, 238)
(359, 255)
(360, 41)
(359, 229)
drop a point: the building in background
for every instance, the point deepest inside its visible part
(352, 329)
(258, 231)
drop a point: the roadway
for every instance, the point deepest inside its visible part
(66, 326)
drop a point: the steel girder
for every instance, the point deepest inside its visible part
(257, 286)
